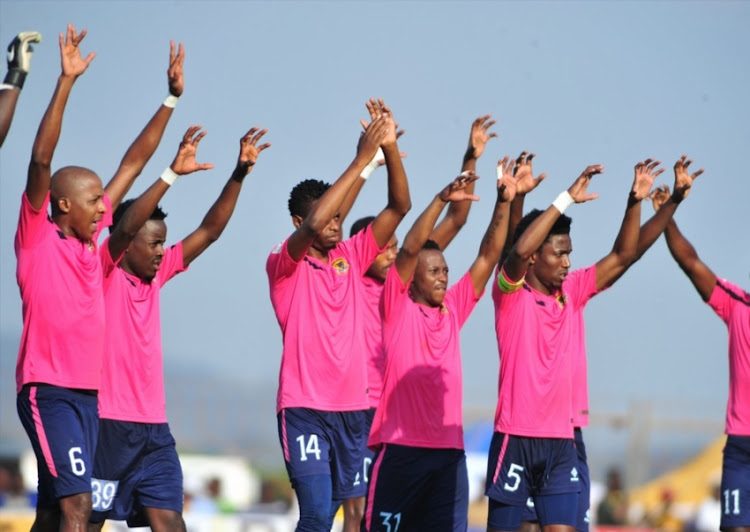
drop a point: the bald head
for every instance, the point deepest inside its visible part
(76, 197)
(69, 181)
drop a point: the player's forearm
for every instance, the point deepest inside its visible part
(420, 231)
(330, 203)
(514, 218)
(654, 227)
(8, 99)
(536, 233)
(139, 153)
(626, 243)
(221, 211)
(399, 199)
(496, 234)
(49, 129)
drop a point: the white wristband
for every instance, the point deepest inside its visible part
(169, 176)
(171, 101)
(6, 86)
(563, 201)
(372, 165)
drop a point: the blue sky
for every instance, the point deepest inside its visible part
(578, 83)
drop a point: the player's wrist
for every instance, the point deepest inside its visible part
(170, 101)
(169, 176)
(15, 78)
(563, 201)
(371, 166)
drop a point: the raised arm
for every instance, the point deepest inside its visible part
(184, 163)
(19, 62)
(703, 279)
(406, 260)
(145, 144)
(494, 238)
(525, 183)
(73, 65)
(623, 254)
(324, 210)
(458, 212)
(665, 205)
(518, 259)
(399, 201)
(218, 216)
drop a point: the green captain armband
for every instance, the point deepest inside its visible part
(506, 286)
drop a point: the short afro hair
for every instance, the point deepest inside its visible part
(561, 227)
(304, 194)
(431, 244)
(158, 213)
(360, 224)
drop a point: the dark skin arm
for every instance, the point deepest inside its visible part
(145, 144)
(494, 238)
(218, 216)
(683, 182)
(399, 200)
(378, 160)
(8, 99)
(73, 65)
(324, 210)
(458, 212)
(520, 255)
(623, 254)
(703, 279)
(131, 222)
(407, 258)
(526, 182)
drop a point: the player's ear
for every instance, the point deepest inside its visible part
(297, 220)
(64, 205)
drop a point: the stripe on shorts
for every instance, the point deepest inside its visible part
(284, 442)
(371, 488)
(500, 458)
(40, 432)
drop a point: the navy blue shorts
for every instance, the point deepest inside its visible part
(545, 469)
(369, 454)
(62, 425)
(136, 467)
(316, 442)
(584, 498)
(415, 488)
(735, 483)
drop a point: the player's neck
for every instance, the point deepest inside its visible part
(321, 255)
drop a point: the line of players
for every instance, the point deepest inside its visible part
(371, 334)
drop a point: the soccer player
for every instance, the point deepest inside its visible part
(19, 63)
(649, 233)
(539, 323)
(60, 272)
(374, 278)
(732, 304)
(322, 398)
(419, 479)
(137, 474)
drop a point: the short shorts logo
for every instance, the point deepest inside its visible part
(574, 475)
(340, 265)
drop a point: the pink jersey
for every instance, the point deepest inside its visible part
(732, 304)
(319, 308)
(372, 340)
(541, 342)
(60, 279)
(132, 372)
(421, 405)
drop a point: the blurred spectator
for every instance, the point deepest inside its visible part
(212, 502)
(663, 518)
(613, 509)
(708, 517)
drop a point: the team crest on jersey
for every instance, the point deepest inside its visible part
(340, 265)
